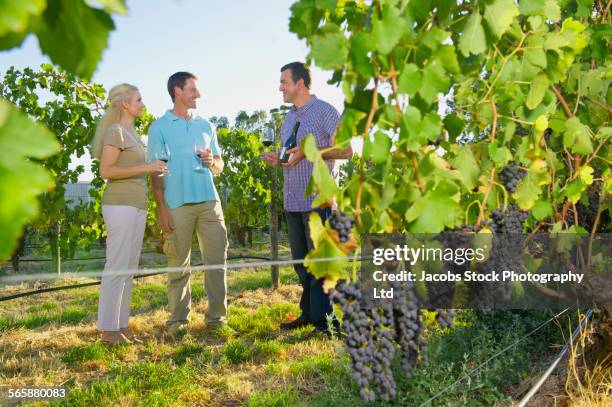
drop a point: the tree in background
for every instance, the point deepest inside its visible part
(220, 122)
(244, 183)
(73, 33)
(70, 110)
(252, 122)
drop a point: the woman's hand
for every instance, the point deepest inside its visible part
(156, 167)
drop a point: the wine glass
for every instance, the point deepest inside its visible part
(267, 136)
(161, 152)
(199, 146)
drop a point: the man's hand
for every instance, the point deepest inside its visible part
(206, 156)
(295, 156)
(270, 157)
(165, 221)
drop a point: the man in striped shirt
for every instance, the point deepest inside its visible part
(320, 119)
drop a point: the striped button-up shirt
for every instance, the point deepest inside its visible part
(320, 119)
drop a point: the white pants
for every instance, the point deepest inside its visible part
(125, 227)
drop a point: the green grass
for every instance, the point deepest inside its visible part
(192, 351)
(150, 384)
(237, 351)
(94, 351)
(321, 367)
(276, 398)
(261, 323)
(71, 315)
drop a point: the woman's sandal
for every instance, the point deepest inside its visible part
(130, 336)
(117, 339)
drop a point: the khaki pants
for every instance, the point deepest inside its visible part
(207, 220)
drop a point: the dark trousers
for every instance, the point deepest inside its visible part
(314, 303)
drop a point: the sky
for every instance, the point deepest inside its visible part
(236, 49)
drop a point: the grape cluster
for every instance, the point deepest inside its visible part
(507, 229)
(509, 221)
(587, 213)
(371, 334)
(511, 175)
(441, 294)
(521, 131)
(408, 326)
(359, 343)
(342, 224)
(384, 350)
(446, 318)
(547, 133)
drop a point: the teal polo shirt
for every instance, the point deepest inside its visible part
(184, 184)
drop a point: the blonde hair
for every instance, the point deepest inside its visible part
(116, 96)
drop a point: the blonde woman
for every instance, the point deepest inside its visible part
(124, 206)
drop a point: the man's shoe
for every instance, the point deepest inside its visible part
(175, 330)
(295, 324)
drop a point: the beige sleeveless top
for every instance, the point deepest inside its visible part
(128, 191)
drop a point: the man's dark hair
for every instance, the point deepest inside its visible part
(178, 80)
(298, 71)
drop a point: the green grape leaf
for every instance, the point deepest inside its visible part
(305, 18)
(434, 81)
(573, 191)
(542, 210)
(111, 6)
(434, 38)
(499, 15)
(21, 180)
(586, 174)
(361, 44)
(535, 54)
(552, 10)
(473, 40)
(12, 40)
(433, 212)
(454, 126)
(527, 193)
(377, 150)
(530, 187)
(448, 58)
(409, 80)
(466, 164)
(577, 137)
(74, 35)
(430, 127)
(388, 31)
(548, 8)
(537, 90)
(329, 50)
(409, 131)
(573, 31)
(499, 154)
(16, 15)
(531, 7)
(348, 124)
(324, 247)
(322, 181)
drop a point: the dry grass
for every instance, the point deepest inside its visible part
(588, 385)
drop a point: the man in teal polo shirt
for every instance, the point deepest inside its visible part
(187, 201)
